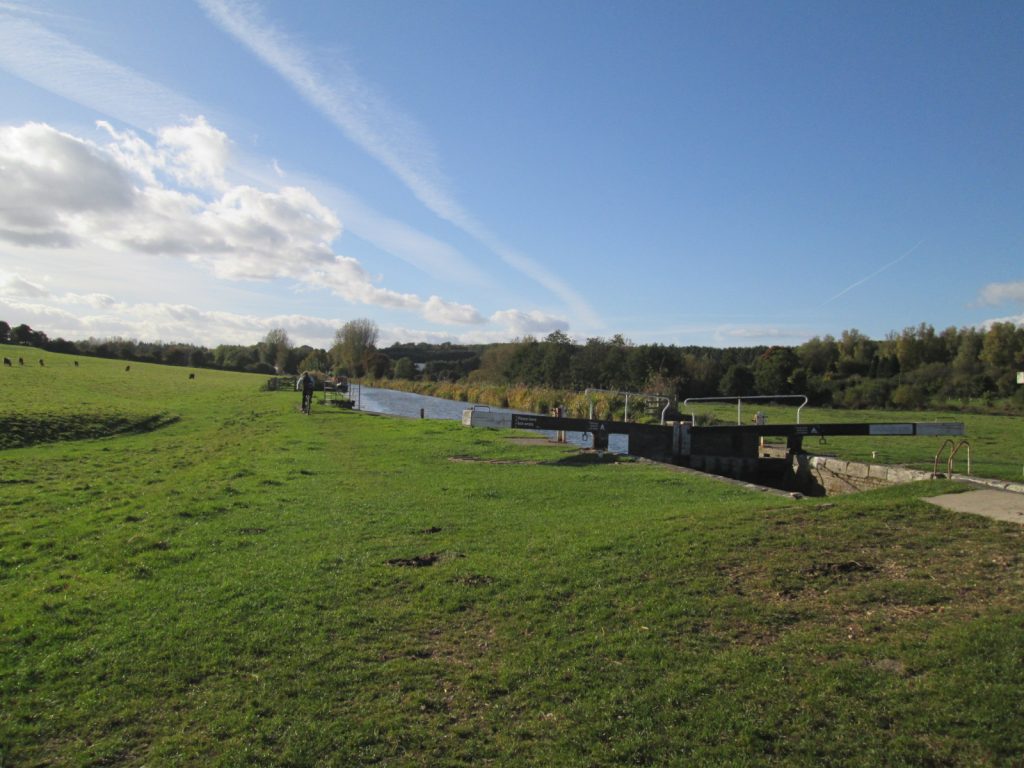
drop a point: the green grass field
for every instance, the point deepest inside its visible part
(222, 581)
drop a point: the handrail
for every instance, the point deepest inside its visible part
(739, 403)
(949, 464)
(589, 391)
(935, 465)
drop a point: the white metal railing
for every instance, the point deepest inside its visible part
(739, 403)
(591, 391)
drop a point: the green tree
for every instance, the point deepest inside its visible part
(234, 357)
(737, 381)
(774, 370)
(556, 364)
(405, 369)
(855, 353)
(378, 365)
(818, 355)
(23, 334)
(494, 364)
(1002, 353)
(354, 343)
(274, 348)
(585, 366)
(968, 369)
(314, 361)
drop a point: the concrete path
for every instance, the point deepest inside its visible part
(997, 504)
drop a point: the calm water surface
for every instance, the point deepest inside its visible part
(395, 403)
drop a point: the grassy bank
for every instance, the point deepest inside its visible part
(238, 584)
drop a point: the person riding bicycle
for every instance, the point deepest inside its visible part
(307, 384)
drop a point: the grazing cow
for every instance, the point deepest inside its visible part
(7, 362)
(76, 363)
(41, 363)
(191, 376)
(127, 368)
(21, 361)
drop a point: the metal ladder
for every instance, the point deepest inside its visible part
(954, 449)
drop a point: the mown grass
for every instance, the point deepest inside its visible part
(248, 586)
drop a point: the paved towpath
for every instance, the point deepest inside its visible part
(990, 502)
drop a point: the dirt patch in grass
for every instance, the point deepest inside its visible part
(419, 561)
(479, 460)
(423, 561)
(832, 569)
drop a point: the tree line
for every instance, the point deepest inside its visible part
(354, 351)
(909, 369)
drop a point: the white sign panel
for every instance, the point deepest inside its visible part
(1020, 377)
(891, 429)
(475, 418)
(941, 428)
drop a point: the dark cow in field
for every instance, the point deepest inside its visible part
(191, 376)
(21, 361)
(42, 363)
(7, 362)
(76, 363)
(127, 368)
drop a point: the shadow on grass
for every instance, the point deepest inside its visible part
(589, 459)
(23, 431)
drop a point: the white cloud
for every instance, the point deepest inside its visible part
(61, 190)
(760, 333)
(383, 132)
(81, 317)
(15, 285)
(449, 313)
(51, 180)
(520, 323)
(998, 293)
(1015, 319)
(199, 153)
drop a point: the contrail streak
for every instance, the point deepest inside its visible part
(381, 131)
(877, 272)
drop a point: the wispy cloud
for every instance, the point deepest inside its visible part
(379, 129)
(52, 62)
(877, 272)
(999, 293)
(765, 334)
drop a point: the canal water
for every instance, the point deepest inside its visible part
(408, 404)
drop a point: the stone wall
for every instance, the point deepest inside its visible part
(822, 475)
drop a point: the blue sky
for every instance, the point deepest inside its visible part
(676, 172)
